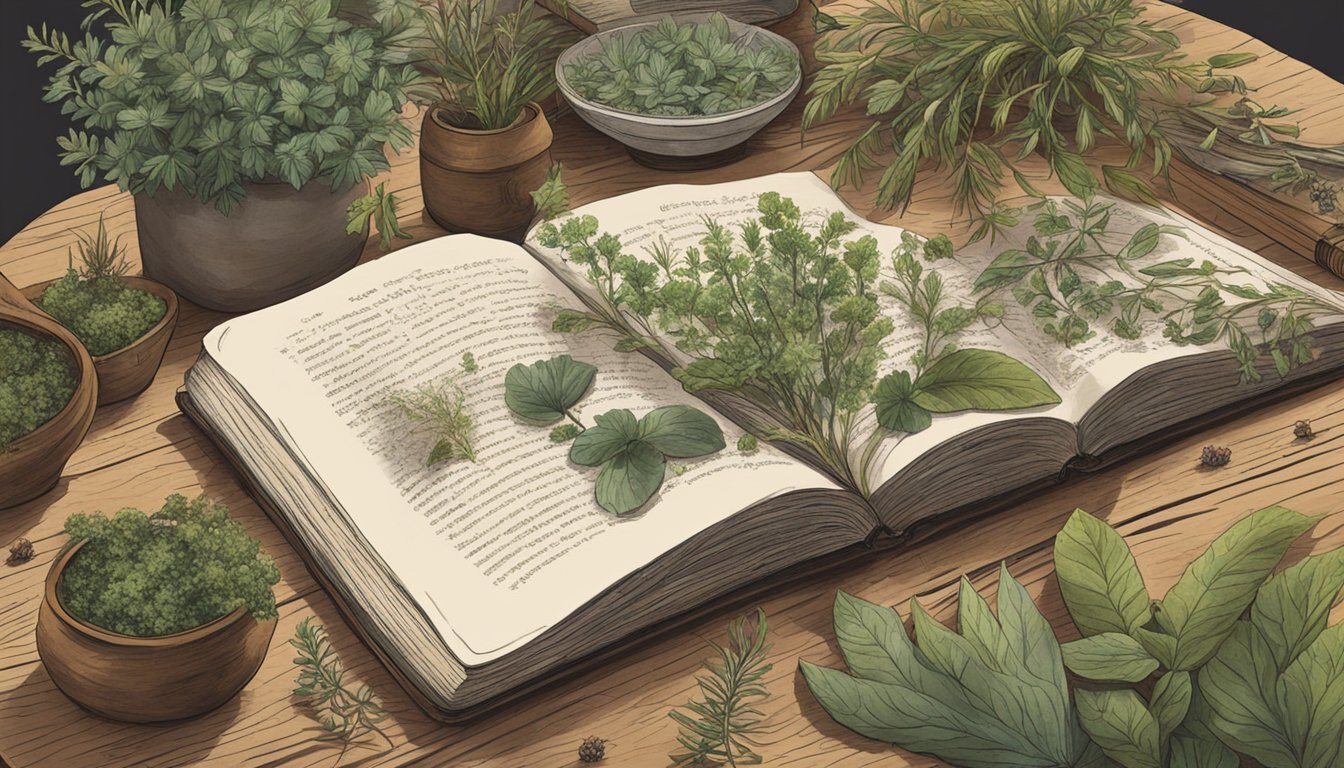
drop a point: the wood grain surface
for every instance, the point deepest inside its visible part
(143, 449)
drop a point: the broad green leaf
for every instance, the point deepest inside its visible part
(1073, 173)
(1310, 696)
(981, 380)
(1031, 640)
(1190, 752)
(629, 479)
(1006, 269)
(1293, 606)
(680, 431)
(1231, 60)
(1221, 583)
(1109, 657)
(873, 641)
(1099, 578)
(614, 430)
(895, 405)
(1159, 644)
(1238, 688)
(1121, 725)
(544, 390)
(1170, 701)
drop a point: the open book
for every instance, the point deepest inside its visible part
(475, 579)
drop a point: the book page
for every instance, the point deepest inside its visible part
(676, 213)
(498, 549)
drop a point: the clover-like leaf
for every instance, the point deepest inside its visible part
(629, 479)
(896, 406)
(596, 445)
(680, 431)
(545, 390)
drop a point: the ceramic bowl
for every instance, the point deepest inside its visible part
(672, 142)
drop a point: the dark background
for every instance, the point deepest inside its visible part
(1310, 30)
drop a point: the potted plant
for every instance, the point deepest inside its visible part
(47, 393)
(150, 618)
(243, 129)
(124, 321)
(484, 140)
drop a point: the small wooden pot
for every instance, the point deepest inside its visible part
(482, 181)
(128, 371)
(32, 464)
(147, 679)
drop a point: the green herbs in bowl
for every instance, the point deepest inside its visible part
(681, 93)
(38, 380)
(679, 68)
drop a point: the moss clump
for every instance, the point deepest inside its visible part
(37, 379)
(103, 312)
(149, 575)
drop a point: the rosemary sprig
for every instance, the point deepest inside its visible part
(345, 715)
(721, 725)
(439, 407)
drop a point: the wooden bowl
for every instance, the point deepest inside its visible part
(128, 371)
(32, 464)
(147, 679)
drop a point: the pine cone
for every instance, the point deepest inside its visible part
(21, 551)
(1215, 457)
(1302, 430)
(593, 749)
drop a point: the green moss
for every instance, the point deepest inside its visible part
(37, 379)
(103, 312)
(149, 575)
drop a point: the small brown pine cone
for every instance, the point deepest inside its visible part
(21, 551)
(593, 749)
(1302, 430)
(1214, 456)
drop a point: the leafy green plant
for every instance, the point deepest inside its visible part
(1073, 278)
(786, 315)
(1237, 660)
(209, 94)
(552, 197)
(439, 407)
(484, 65)
(39, 380)
(346, 715)
(720, 726)
(380, 208)
(185, 565)
(976, 86)
(677, 68)
(632, 453)
(94, 303)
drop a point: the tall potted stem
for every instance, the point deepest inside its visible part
(243, 128)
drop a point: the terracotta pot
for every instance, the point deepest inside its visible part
(278, 243)
(126, 372)
(32, 464)
(147, 679)
(482, 181)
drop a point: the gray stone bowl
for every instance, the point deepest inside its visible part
(682, 142)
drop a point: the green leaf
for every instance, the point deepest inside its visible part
(1221, 583)
(1231, 60)
(981, 380)
(1209, 140)
(1192, 752)
(629, 479)
(545, 390)
(597, 445)
(1109, 657)
(1161, 645)
(896, 408)
(1099, 578)
(1293, 607)
(1126, 184)
(680, 431)
(1238, 688)
(1311, 701)
(1073, 173)
(1171, 701)
(1121, 725)
(1006, 269)
(442, 451)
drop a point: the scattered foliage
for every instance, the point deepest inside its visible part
(94, 303)
(1071, 277)
(552, 197)
(720, 726)
(976, 86)
(469, 364)
(346, 715)
(683, 68)
(208, 94)
(1239, 659)
(380, 208)
(439, 408)
(785, 314)
(39, 380)
(148, 575)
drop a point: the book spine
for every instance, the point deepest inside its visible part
(1330, 250)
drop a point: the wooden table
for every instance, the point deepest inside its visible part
(140, 451)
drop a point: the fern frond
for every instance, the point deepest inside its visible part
(720, 726)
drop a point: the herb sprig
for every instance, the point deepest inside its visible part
(720, 726)
(439, 407)
(346, 715)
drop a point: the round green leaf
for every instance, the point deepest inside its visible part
(544, 390)
(896, 408)
(680, 431)
(630, 478)
(599, 444)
